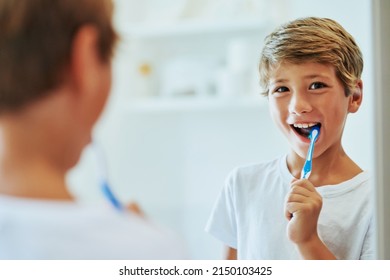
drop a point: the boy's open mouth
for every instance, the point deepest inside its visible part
(305, 129)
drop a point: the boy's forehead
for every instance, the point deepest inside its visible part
(285, 69)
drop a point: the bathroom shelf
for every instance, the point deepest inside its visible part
(192, 28)
(192, 104)
(153, 47)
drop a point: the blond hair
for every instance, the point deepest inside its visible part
(313, 39)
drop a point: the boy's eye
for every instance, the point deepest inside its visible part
(317, 85)
(281, 89)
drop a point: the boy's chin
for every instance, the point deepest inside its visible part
(300, 149)
(74, 159)
(301, 153)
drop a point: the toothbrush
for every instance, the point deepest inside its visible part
(105, 187)
(306, 170)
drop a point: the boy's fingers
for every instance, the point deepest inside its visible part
(296, 198)
(290, 208)
(294, 180)
(134, 208)
(300, 190)
(304, 183)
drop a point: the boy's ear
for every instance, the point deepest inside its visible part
(84, 59)
(356, 98)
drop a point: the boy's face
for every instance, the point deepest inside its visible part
(302, 95)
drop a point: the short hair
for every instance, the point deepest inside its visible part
(35, 44)
(313, 39)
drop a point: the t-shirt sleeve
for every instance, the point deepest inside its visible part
(222, 222)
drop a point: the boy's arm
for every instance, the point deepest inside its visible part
(302, 209)
(315, 249)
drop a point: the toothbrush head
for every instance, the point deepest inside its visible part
(314, 133)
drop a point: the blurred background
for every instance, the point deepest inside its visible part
(185, 107)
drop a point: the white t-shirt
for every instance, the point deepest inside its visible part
(249, 214)
(37, 229)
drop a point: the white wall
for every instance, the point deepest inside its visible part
(174, 162)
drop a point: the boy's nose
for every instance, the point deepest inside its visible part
(299, 104)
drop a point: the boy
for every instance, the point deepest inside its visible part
(311, 70)
(55, 76)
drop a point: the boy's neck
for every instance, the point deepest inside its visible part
(332, 167)
(30, 164)
(35, 182)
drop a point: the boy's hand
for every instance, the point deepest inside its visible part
(302, 208)
(134, 208)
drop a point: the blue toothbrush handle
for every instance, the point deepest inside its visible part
(110, 196)
(306, 170)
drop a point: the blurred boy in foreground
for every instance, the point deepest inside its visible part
(55, 77)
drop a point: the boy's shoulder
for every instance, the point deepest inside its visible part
(263, 168)
(79, 225)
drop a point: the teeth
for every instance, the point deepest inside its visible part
(304, 125)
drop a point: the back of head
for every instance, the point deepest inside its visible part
(313, 39)
(35, 44)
